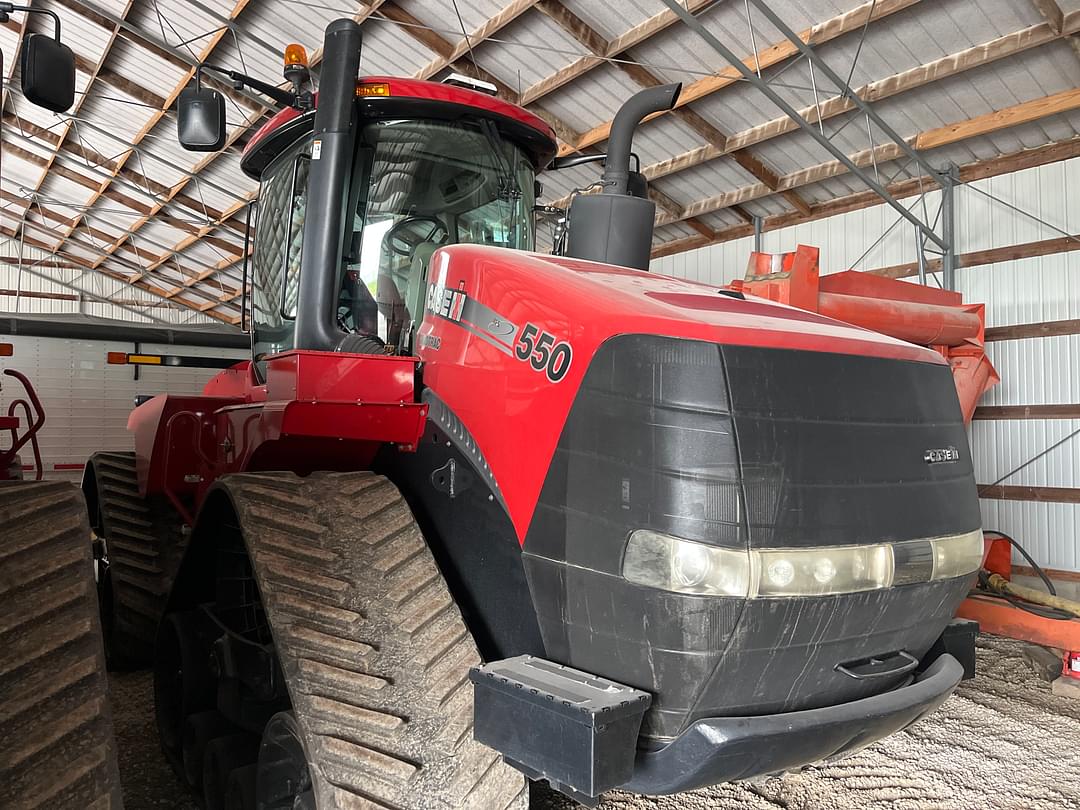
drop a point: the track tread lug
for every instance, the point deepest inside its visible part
(341, 712)
(320, 612)
(325, 644)
(387, 719)
(376, 763)
(144, 550)
(57, 745)
(333, 676)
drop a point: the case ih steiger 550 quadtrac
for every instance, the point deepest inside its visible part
(470, 512)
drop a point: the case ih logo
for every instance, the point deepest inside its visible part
(446, 302)
(941, 455)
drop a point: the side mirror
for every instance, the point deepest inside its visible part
(48, 73)
(200, 119)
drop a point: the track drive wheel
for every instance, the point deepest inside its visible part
(374, 650)
(143, 545)
(56, 739)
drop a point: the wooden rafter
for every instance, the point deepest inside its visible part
(1004, 164)
(159, 272)
(1058, 20)
(130, 264)
(769, 57)
(937, 70)
(105, 188)
(952, 65)
(1023, 113)
(637, 35)
(438, 44)
(85, 265)
(711, 134)
(488, 29)
(591, 39)
(208, 48)
(82, 154)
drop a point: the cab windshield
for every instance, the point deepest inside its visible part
(419, 185)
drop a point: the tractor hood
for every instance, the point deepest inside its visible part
(523, 329)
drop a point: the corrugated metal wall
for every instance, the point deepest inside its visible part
(1034, 371)
(87, 401)
(39, 277)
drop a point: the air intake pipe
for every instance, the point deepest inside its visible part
(331, 165)
(616, 227)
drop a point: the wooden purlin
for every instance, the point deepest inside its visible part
(1017, 161)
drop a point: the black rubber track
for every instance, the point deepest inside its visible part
(374, 649)
(57, 748)
(144, 546)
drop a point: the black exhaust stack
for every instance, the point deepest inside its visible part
(616, 226)
(331, 165)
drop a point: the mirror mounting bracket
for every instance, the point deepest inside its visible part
(7, 8)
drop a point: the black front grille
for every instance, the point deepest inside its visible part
(833, 448)
(743, 447)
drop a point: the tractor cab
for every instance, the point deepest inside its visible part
(434, 165)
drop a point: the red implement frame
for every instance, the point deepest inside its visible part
(938, 319)
(1000, 618)
(34, 414)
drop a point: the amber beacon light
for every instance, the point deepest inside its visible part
(295, 56)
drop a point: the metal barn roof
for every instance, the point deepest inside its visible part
(982, 85)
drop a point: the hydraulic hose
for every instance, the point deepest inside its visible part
(1049, 606)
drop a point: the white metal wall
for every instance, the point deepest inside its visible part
(1034, 371)
(38, 274)
(87, 401)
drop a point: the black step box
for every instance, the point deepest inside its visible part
(576, 730)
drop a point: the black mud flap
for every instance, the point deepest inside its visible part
(958, 640)
(575, 730)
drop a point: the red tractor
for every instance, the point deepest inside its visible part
(471, 512)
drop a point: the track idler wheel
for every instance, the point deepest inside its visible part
(183, 683)
(240, 791)
(283, 780)
(224, 756)
(199, 730)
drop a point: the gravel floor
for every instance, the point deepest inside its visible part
(1001, 741)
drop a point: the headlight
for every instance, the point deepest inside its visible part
(673, 564)
(821, 571)
(956, 556)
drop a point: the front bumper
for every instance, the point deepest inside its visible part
(725, 749)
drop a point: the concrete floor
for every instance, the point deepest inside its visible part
(1002, 741)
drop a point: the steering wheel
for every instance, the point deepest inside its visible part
(407, 235)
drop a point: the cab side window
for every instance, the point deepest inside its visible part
(275, 264)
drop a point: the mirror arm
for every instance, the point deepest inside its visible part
(281, 97)
(7, 8)
(570, 161)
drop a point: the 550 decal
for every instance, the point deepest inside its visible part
(541, 351)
